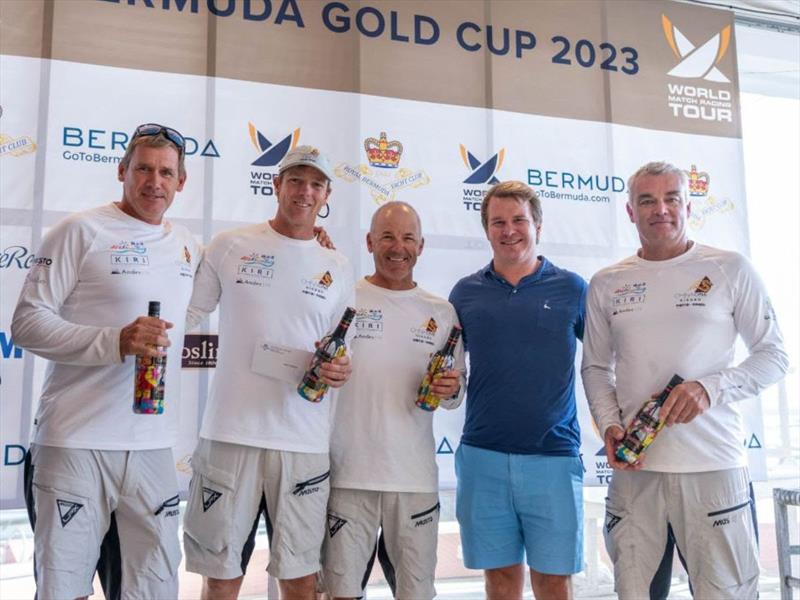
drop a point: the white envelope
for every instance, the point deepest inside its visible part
(280, 362)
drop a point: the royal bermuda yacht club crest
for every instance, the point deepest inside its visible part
(704, 205)
(382, 175)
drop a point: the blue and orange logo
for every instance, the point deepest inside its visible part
(271, 154)
(482, 172)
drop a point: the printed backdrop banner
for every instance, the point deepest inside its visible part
(430, 103)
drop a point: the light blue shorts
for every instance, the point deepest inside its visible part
(512, 505)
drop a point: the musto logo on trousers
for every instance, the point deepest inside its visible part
(701, 61)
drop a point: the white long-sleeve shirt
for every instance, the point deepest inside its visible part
(270, 288)
(94, 273)
(647, 320)
(381, 440)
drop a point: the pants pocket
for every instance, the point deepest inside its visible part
(730, 557)
(64, 521)
(209, 510)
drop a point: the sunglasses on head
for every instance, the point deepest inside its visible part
(172, 135)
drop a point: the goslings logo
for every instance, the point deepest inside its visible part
(696, 295)
(199, 351)
(126, 256)
(383, 176)
(628, 298)
(704, 205)
(425, 333)
(255, 269)
(480, 174)
(369, 323)
(269, 156)
(695, 102)
(15, 146)
(318, 285)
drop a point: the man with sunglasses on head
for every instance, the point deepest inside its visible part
(263, 447)
(97, 473)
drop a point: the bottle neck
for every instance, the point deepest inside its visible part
(450, 346)
(344, 324)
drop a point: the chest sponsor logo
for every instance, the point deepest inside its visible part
(255, 269)
(369, 323)
(425, 333)
(185, 264)
(318, 285)
(628, 298)
(128, 258)
(696, 295)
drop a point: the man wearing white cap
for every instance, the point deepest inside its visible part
(263, 447)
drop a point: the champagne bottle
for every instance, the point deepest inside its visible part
(644, 427)
(312, 388)
(149, 380)
(441, 361)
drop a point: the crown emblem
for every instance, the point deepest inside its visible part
(698, 182)
(383, 153)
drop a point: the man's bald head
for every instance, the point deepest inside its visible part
(397, 205)
(395, 241)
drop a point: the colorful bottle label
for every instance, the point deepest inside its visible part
(312, 388)
(644, 427)
(148, 397)
(426, 400)
(149, 379)
(440, 362)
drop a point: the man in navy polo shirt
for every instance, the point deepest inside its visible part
(519, 471)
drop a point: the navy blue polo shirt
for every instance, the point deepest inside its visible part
(521, 342)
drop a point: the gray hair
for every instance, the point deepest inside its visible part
(658, 168)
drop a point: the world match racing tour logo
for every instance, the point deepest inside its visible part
(482, 175)
(698, 62)
(269, 157)
(383, 176)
